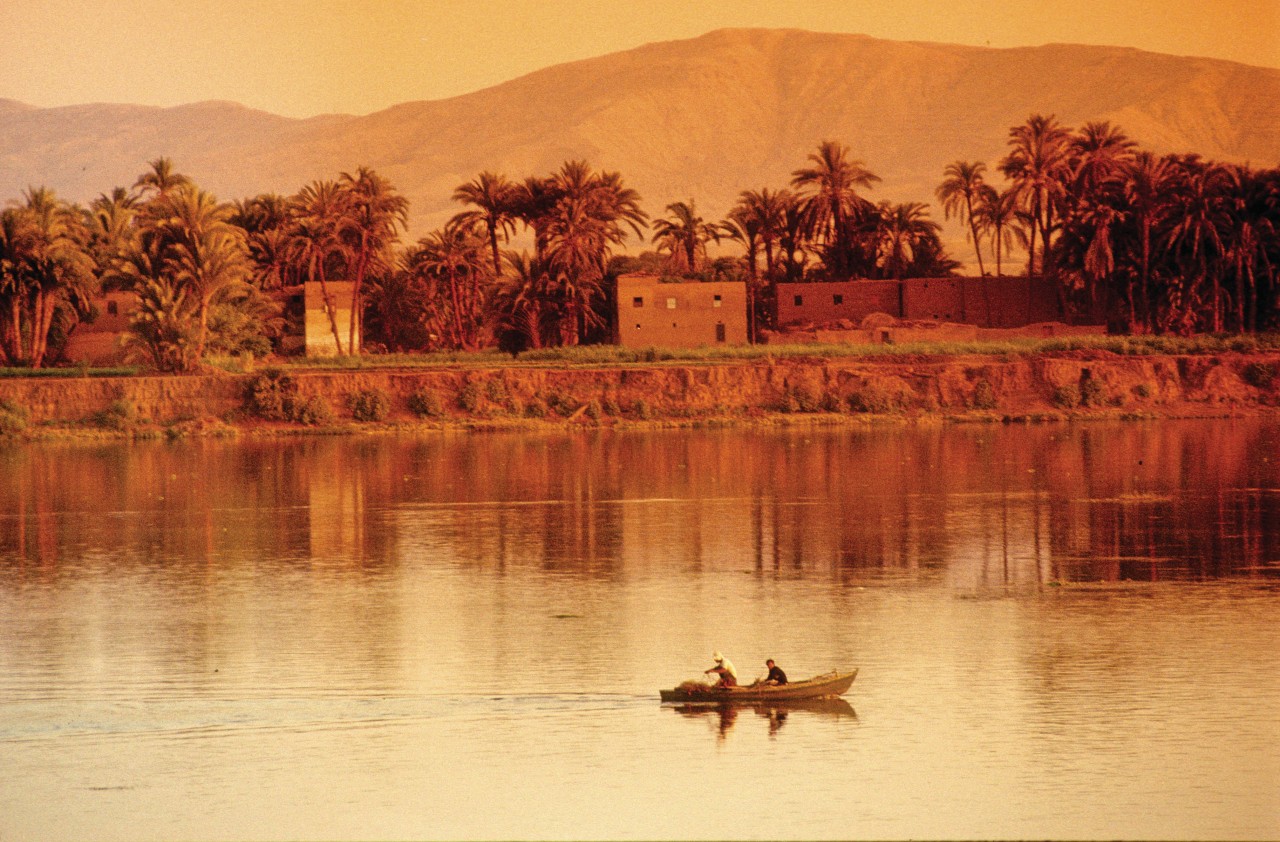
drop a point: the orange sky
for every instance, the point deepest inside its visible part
(305, 57)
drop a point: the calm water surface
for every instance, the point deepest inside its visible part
(1063, 632)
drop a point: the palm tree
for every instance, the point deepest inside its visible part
(996, 215)
(519, 302)
(1038, 164)
(400, 308)
(456, 254)
(207, 256)
(1147, 182)
(684, 235)
(112, 225)
(47, 264)
(1099, 153)
(577, 252)
(496, 202)
(904, 227)
(1252, 204)
(1196, 240)
(319, 214)
(962, 182)
(266, 220)
(743, 228)
(833, 204)
(375, 215)
(160, 180)
(766, 210)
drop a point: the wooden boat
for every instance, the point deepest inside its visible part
(820, 686)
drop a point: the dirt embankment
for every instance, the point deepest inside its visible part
(1069, 384)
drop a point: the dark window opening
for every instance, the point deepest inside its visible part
(638, 301)
(799, 300)
(113, 308)
(720, 332)
(837, 299)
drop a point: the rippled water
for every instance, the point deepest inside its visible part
(1062, 632)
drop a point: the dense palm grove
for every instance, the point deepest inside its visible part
(1153, 244)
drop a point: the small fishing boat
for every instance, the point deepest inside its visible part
(821, 686)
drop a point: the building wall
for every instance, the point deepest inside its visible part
(985, 302)
(682, 315)
(829, 302)
(319, 333)
(98, 342)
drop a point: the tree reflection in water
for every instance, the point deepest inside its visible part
(982, 508)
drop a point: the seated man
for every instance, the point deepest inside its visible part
(724, 669)
(776, 675)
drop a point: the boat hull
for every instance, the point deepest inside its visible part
(822, 686)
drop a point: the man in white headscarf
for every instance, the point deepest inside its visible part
(724, 669)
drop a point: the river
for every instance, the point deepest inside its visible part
(1061, 631)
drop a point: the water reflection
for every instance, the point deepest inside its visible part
(722, 717)
(977, 507)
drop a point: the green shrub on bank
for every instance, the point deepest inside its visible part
(801, 397)
(425, 403)
(471, 397)
(313, 411)
(272, 395)
(875, 399)
(1067, 397)
(537, 408)
(1092, 393)
(369, 404)
(984, 395)
(1260, 375)
(120, 414)
(13, 418)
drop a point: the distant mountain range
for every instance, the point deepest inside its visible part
(702, 118)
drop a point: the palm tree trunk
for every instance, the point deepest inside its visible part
(38, 326)
(973, 229)
(42, 350)
(1146, 275)
(203, 334)
(329, 309)
(353, 329)
(458, 338)
(15, 328)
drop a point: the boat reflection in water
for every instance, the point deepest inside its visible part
(723, 716)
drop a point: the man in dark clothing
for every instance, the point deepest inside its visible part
(776, 675)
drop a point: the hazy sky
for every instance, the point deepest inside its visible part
(306, 57)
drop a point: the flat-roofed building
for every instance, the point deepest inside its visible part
(684, 314)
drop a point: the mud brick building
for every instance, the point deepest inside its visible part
(684, 314)
(984, 302)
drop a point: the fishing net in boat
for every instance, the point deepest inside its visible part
(694, 687)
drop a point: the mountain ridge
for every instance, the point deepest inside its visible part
(700, 118)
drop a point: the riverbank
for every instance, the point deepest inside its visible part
(1047, 386)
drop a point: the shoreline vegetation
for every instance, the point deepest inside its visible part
(1147, 244)
(607, 387)
(1175, 254)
